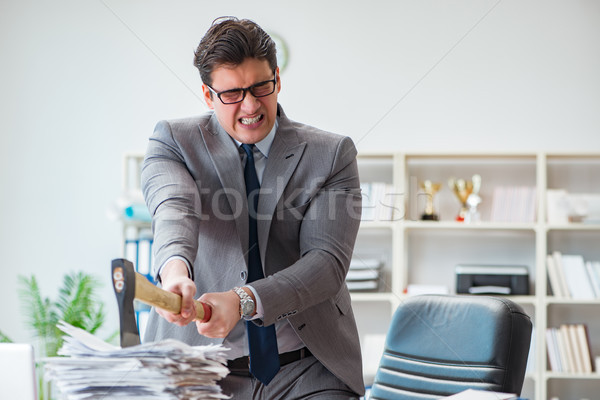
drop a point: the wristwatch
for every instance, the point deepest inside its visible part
(247, 305)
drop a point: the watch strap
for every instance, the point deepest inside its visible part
(244, 297)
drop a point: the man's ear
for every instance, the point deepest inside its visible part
(208, 96)
(278, 89)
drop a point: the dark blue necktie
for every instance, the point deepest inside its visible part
(262, 340)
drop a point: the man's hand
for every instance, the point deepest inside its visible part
(174, 277)
(225, 314)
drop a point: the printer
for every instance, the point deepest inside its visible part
(492, 279)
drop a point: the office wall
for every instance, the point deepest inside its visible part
(85, 81)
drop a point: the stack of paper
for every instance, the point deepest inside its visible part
(364, 274)
(169, 369)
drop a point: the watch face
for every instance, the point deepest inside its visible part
(247, 307)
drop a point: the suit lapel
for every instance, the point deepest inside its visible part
(284, 155)
(226, 160)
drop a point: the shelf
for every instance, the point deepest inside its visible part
(376, 225)
(373, 296)
(426, 252)
(573, 227)
(560, 375)
(440, 225)
(550, 300)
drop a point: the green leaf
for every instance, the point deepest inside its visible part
(36, 308)
(76, 304)
(4, 338)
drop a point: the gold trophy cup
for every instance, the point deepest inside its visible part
(430, 188)
(467, 193)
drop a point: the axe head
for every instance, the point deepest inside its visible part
(123, 277)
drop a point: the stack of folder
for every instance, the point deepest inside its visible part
(364, 274)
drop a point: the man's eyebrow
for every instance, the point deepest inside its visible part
(241, 88)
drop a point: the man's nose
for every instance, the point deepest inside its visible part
(250, 103)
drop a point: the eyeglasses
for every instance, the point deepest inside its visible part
(260, 89)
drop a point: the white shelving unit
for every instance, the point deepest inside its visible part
(426, 252)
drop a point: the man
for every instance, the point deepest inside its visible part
(272, 263)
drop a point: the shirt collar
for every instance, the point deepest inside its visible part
(264, 146)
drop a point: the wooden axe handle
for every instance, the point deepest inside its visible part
(152, 295)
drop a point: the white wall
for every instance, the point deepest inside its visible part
(83, 82)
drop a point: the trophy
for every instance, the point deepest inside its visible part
(467, 193)
(430, 189)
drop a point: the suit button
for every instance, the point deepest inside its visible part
(243, 275)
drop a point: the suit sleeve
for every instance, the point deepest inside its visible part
(172, 198)
(327, 234)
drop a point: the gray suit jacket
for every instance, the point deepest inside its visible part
(308, 218)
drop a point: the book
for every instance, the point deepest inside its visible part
(557, 256)
(144, 261)
(380, 201)
(557, 207)
(593, 277)
(368, 204)
(596, 272)
(575, 348)
(553, 278)
(562, 365)
(576, 277)
(499, 205)
(390, 204)
(564, 346)
(552, 350)
(584, 346)
(514, 204)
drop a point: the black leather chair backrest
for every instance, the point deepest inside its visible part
(439, 345)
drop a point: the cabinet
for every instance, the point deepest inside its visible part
(425, 253)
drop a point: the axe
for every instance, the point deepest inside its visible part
(130, 285)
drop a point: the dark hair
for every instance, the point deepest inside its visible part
(229, 41)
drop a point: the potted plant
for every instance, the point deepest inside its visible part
(76, 304)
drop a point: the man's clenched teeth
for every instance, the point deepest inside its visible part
(250, 121)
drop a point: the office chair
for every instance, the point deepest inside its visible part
(439, 345)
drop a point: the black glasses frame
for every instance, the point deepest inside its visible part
(246, 90)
